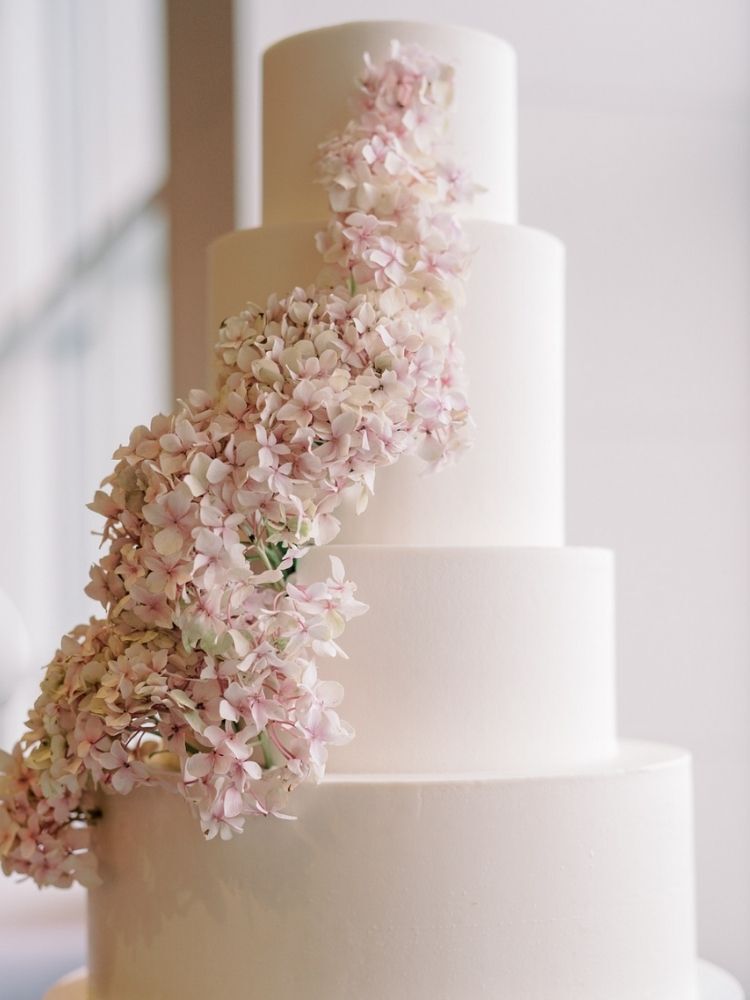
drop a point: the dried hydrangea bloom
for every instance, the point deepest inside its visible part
(206, 657)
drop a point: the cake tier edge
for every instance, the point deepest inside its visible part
(451, 887)
(713, 984)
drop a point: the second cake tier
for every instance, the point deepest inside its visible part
(475, 658)
(508, 489)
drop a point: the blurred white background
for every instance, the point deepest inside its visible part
(635, 150)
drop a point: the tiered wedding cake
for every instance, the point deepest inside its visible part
(485, 834)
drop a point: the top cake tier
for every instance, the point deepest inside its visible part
(307, 95)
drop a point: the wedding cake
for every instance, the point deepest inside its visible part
(486, 833)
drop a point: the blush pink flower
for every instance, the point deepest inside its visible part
(174, 515)
(206, 658)
(123, 771)
(226, 749)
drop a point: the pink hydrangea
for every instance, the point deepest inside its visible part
(207, 650)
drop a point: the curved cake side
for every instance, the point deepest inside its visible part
(431, 887)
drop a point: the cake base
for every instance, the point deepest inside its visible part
(713, 984)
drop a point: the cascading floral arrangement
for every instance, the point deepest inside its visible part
(205, 659)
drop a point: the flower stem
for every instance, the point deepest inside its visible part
(267, 751)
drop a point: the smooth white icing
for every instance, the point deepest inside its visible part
(508, 489)
(475, 658)
(307, 90)
(449, 887)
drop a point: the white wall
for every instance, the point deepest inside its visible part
(635, 149)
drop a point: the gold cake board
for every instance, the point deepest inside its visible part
(713, 984)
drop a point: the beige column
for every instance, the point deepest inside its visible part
(200, 189)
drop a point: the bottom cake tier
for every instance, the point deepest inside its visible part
(577, 886)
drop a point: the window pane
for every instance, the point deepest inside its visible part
(96, 367)
(84, 332)
(82, 97)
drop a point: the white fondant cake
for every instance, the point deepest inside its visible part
(485, 835)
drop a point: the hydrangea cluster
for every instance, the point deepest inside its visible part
(204, 661)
